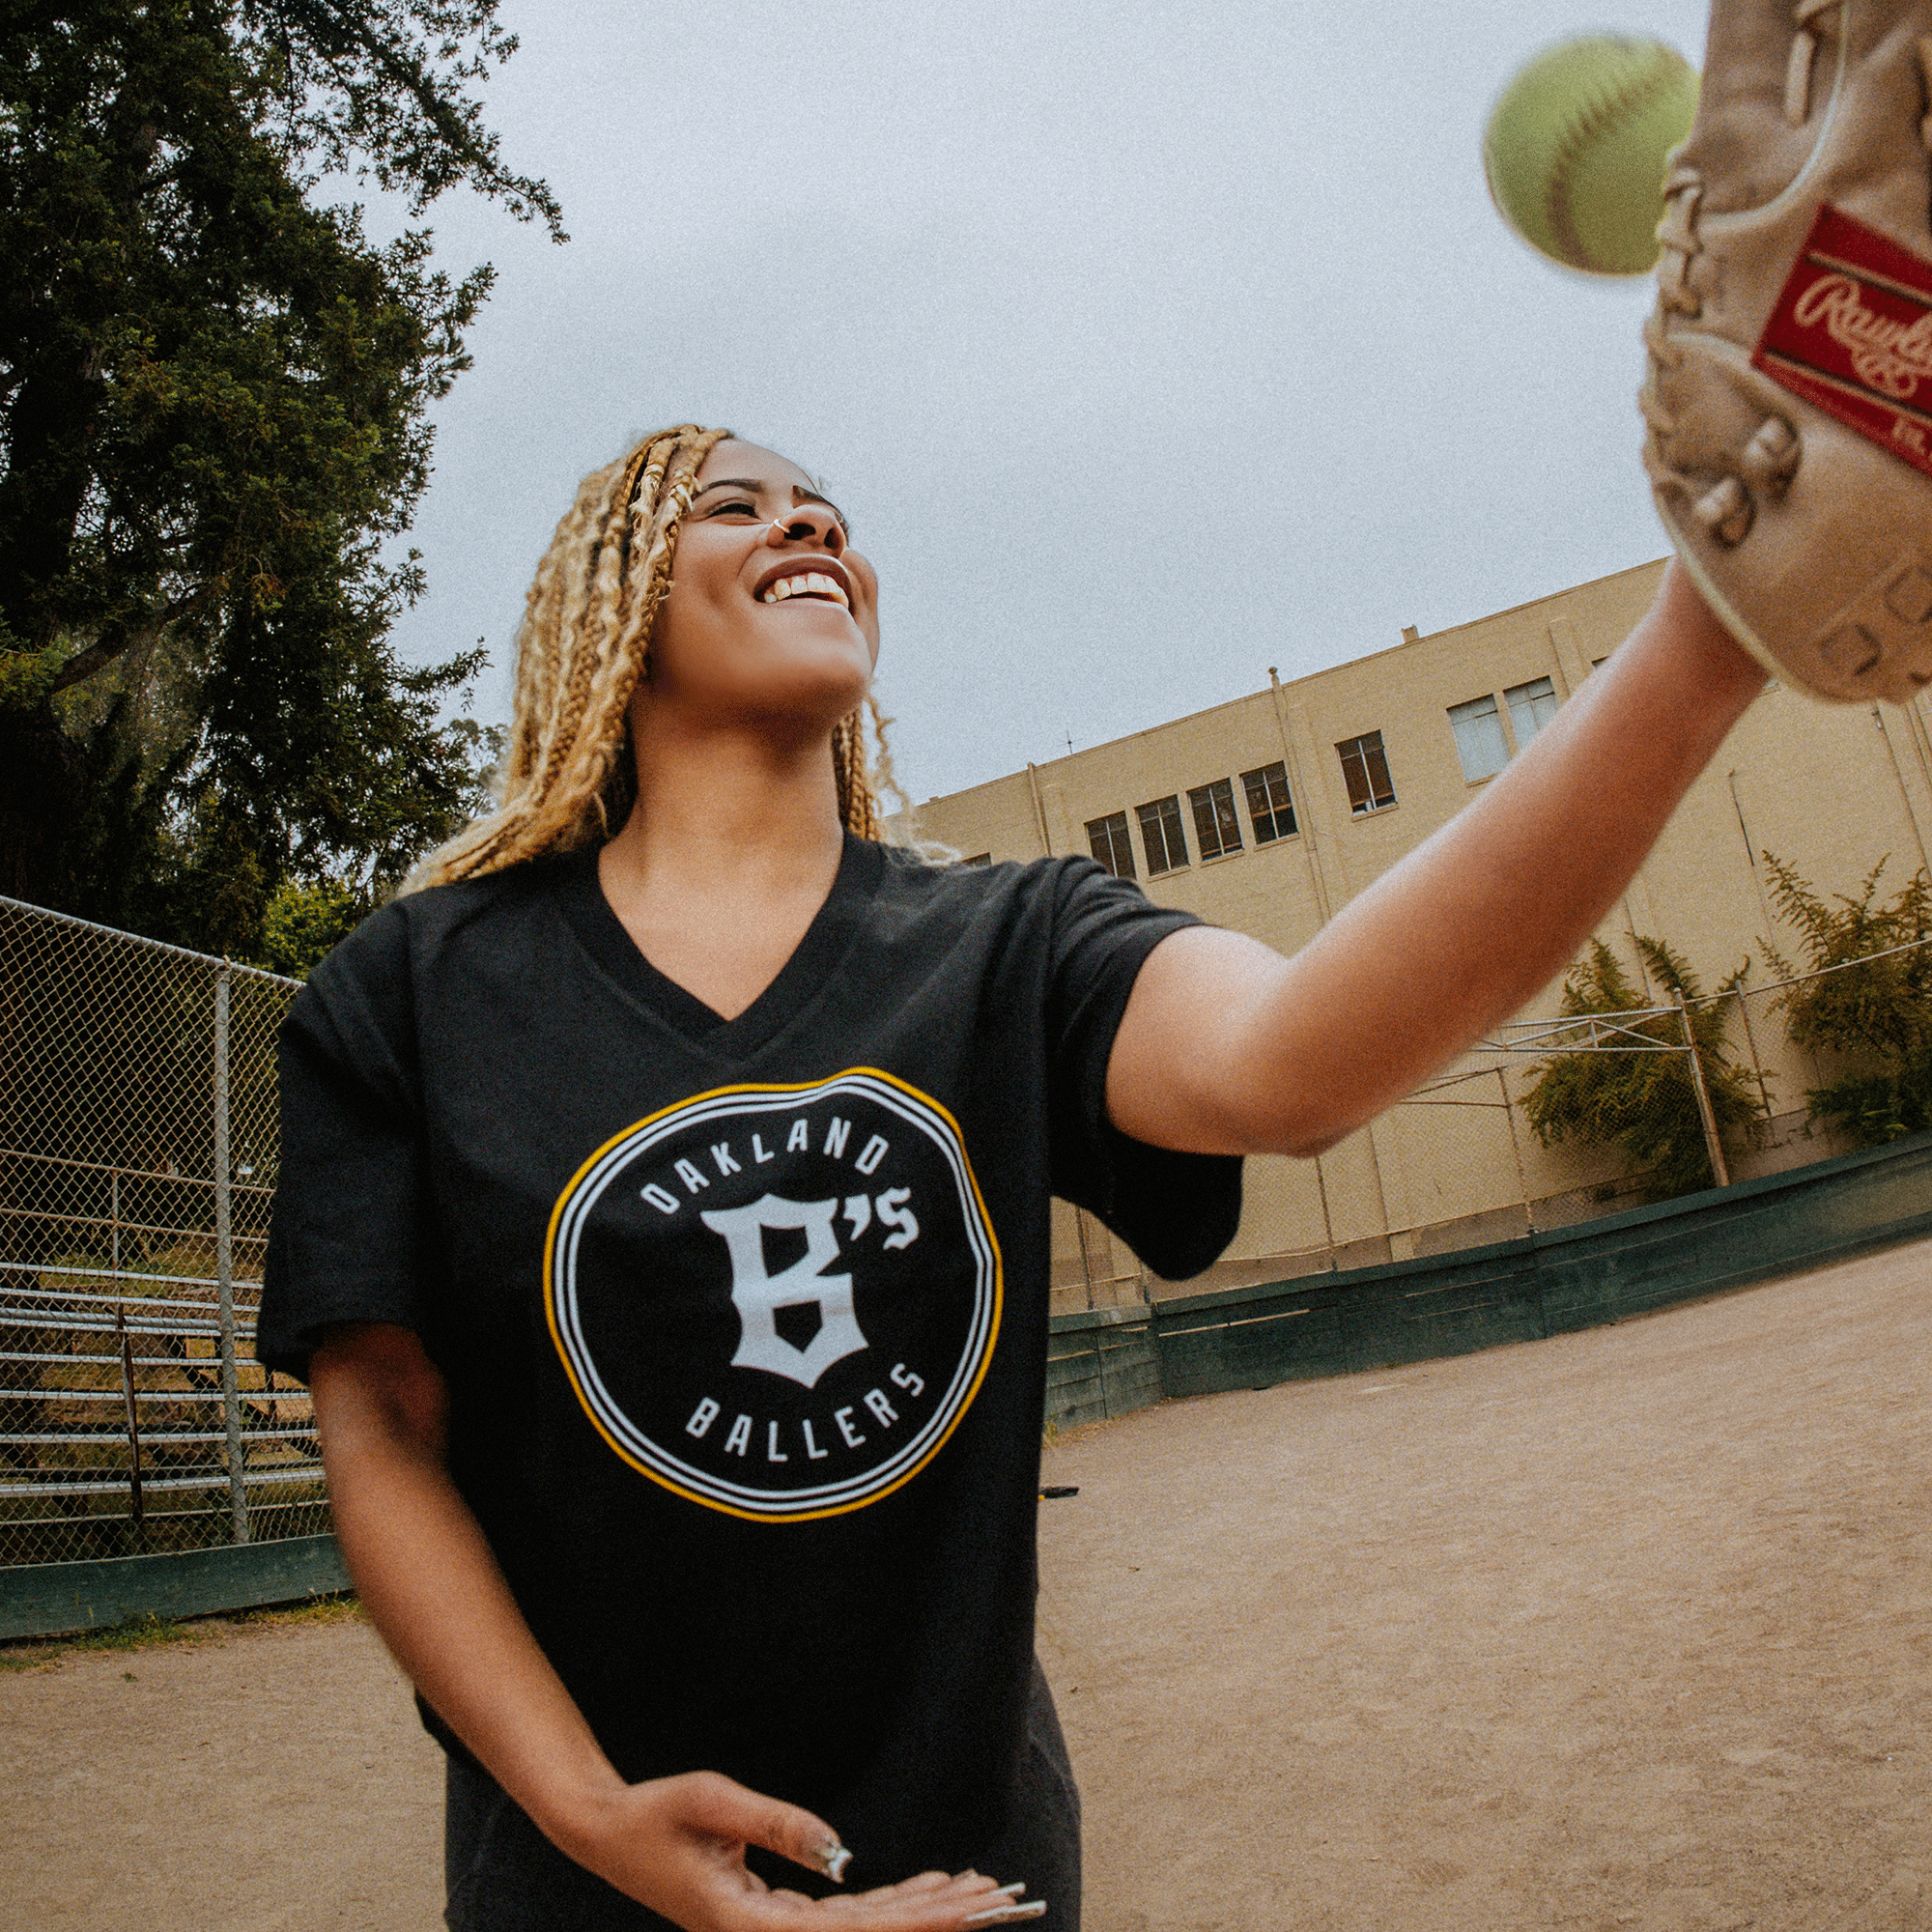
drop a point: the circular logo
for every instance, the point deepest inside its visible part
(778, 1301)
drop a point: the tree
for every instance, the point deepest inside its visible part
(214, 398)
(1642, 1101)
(1876, 1015)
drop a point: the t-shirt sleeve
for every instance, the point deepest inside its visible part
(346, 1235)
(1176, 1210)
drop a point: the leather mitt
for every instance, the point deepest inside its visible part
(1789, 392)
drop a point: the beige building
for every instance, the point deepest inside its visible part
(1270, 814)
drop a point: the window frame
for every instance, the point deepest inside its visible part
(1263, 778)
(1472, 712)
(1120, 842)
(1530, 695)
(1365, 803)
(1214, 803)
(1163, 814)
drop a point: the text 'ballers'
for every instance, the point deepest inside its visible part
(779, 1302)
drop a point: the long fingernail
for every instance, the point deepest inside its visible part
(1015, 1890)
(833, 1859)
(1004, 1914)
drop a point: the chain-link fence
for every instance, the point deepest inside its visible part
(138, 1154)
(137, 1159)
(1556, 1120)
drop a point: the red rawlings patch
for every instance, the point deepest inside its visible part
(1852, 333)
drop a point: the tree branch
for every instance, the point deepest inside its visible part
(477, 156)
(118, 640)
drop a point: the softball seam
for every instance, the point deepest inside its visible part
(1589, 122)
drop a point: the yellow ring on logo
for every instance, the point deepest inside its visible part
(691, 1101)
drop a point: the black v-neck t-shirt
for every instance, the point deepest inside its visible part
(743, 1322)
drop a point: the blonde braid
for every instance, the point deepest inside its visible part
(568, 775)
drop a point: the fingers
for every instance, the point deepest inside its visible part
(931, 1902)
(1010, 1914)
(728, 1809)
(715, 1809)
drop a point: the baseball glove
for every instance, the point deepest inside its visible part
(1789, 392)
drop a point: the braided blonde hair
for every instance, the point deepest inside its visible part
(569, 779)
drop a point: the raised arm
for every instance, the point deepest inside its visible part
(1226, 1048)
(434, 1591)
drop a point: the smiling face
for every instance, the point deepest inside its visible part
(771, 614)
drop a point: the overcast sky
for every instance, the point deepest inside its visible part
(1147, 345)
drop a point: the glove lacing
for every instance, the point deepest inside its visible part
(1770, 460)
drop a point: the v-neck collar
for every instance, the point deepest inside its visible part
(816, 956)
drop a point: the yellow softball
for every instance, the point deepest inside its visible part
(1578, 146)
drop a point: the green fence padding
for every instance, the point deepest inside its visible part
(1099, 1365)
(55, 1599)
(1729, 1238)
(1112, 1361)
(1541, 1285)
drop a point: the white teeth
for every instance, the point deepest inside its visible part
(808, 584)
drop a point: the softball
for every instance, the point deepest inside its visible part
(1578, 145)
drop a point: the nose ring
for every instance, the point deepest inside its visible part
(784, 525)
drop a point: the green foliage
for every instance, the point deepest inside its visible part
(302, 923)
(1642, 1102)
(213, 414)
(1874, 1017)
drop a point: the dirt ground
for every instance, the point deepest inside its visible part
(1628, 1629)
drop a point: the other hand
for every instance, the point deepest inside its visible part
(678, 1844)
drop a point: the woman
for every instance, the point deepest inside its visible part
(663, 1224)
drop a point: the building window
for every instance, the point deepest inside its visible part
(1480, 743)
(1270, 809)
(1108, 839)
(1217, 832)
(1161, 834)
(1532, 706)
(1364, 766)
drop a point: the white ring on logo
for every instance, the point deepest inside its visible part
(823, 1498)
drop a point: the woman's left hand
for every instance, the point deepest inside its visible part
(678, 1845)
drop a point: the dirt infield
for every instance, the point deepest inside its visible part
(1632, 1628)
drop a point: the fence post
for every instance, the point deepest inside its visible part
(225, 1265)
(1516, 1153)
(1086, 1253)
(136, 1503)
(1757, 1064)
(1327, 1219)
(1712, 1145)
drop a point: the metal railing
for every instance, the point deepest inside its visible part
(1461, 1164)
(137, 1161)
(138, 1154)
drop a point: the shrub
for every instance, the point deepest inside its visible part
(1640, 1101)
(1873, 1014)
